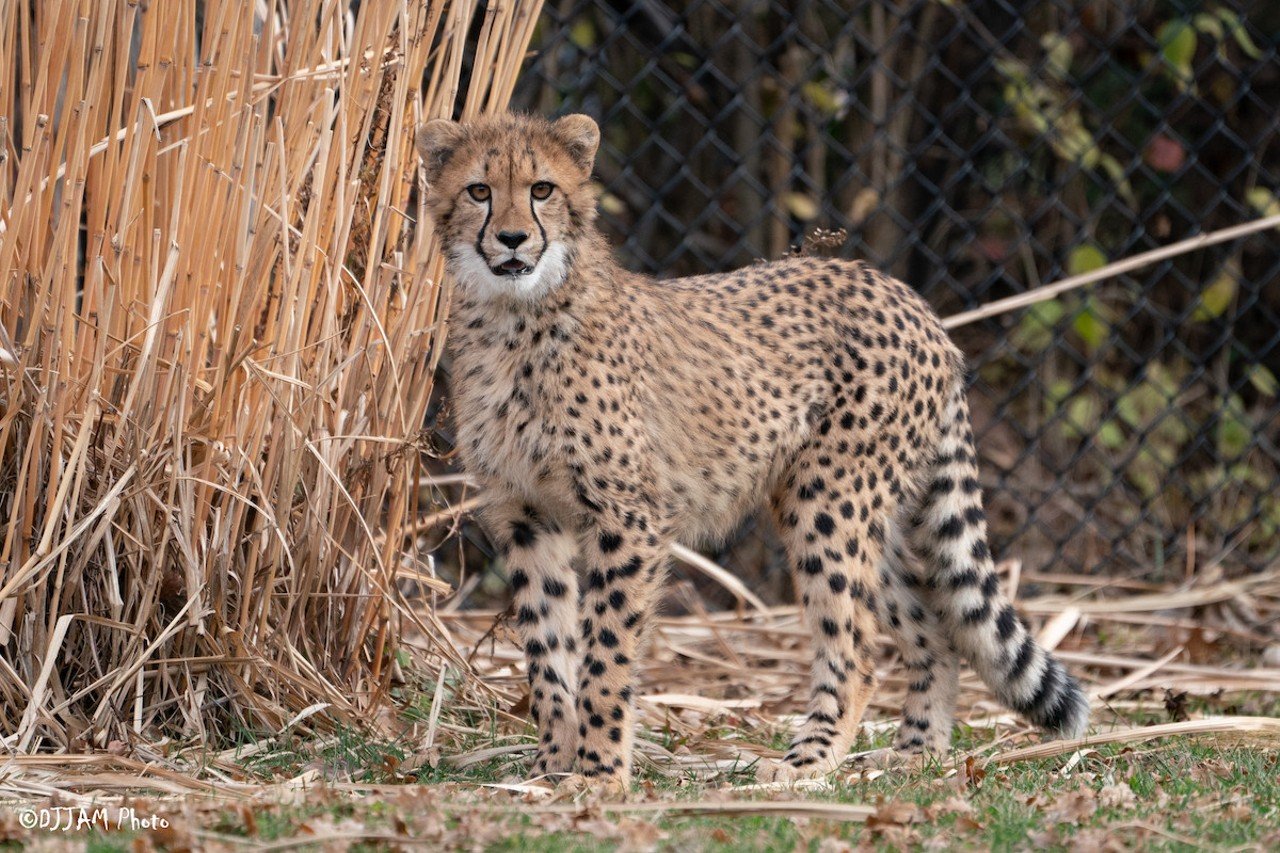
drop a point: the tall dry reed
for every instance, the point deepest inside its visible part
(217, 323)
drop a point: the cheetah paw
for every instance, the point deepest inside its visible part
(884, 758)
(887, 759)
(784, 773)
(576, 785)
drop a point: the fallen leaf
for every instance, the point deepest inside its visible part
(1118, 796)
(971, 775)
(1073, 806)
(894, 813)
(949, 806)
(834, 845)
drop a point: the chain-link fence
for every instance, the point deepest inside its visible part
(978, 149)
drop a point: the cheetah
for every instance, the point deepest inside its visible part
(607, 415)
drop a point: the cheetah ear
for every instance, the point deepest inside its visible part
(581, 136)
(436, 141)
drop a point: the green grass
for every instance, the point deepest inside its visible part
(1219, 794)
(1146, 798)
(1173, 794)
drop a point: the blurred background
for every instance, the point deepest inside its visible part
(977, 150)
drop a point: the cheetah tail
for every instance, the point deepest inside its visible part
(950, 532)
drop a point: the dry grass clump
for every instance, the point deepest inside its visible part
(215, 327)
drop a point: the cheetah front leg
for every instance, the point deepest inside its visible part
(625, 561)
(538, 558)
(832, 514)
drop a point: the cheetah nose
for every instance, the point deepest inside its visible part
(512, 239)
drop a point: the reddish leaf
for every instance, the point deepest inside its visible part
(1165, 155)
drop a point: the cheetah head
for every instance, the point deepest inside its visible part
(511, 199)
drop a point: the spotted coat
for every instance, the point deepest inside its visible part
(608, 415)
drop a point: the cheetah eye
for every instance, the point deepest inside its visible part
(542, 190)
(479, 192)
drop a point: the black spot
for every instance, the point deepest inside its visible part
(812, 490)
(522, 534)
(629, 568)
(952, 528)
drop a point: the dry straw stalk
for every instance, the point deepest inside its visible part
(216, 328)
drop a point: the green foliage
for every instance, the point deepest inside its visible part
(825, 96)
(1085, 258)
(1261, 378)
(583, 33)
(1217, 297)
(1143, 431)
(1093, 323)
(1264, 201)
(1177, 40)
(1042, 109)
(1230, 25)
(1172, 435)
(1034, 332)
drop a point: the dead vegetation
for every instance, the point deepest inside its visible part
(216, 325)
(1184, 746)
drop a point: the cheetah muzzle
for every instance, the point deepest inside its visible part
(608, 415)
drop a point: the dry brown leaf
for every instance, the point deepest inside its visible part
(1117, 796)
(1073, 807)
(1099, 839)
(951, 805)
(970, 774)
(894, 813)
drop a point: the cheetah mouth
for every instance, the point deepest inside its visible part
(512, 267)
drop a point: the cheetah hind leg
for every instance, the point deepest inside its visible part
(932, 664)
(836, 552)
